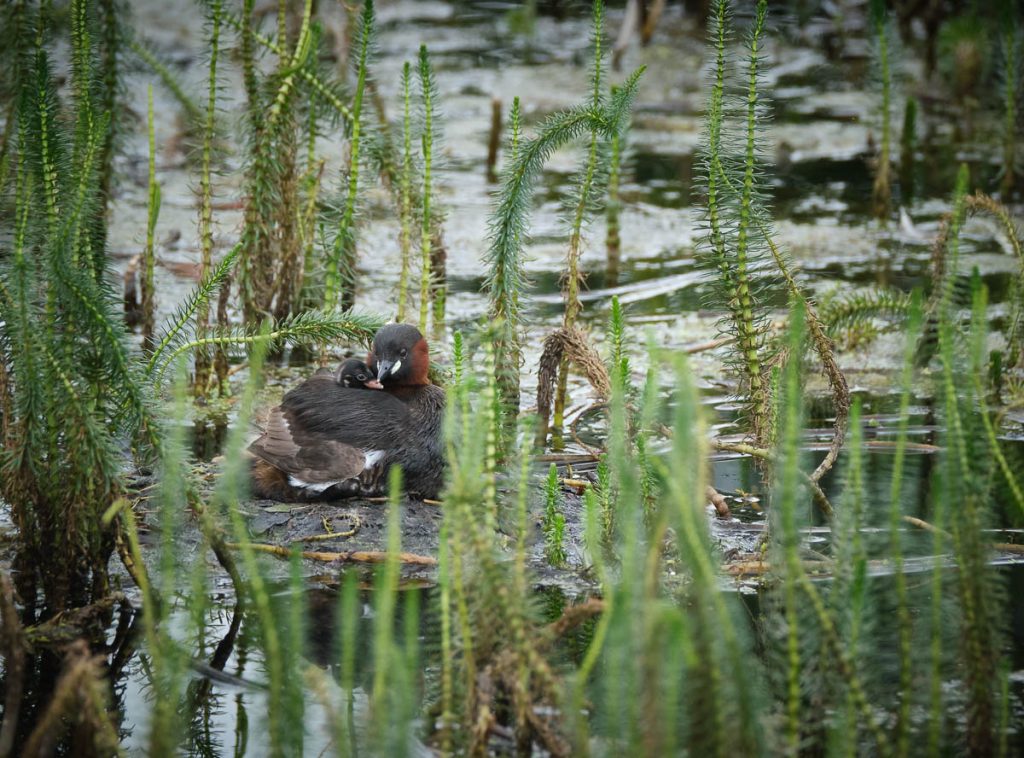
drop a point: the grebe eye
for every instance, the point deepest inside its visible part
(403, 353)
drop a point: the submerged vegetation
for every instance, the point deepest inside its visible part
(589, 611)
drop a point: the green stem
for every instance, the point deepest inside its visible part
(426, 83)
(340, 277)
(202, 360)
(405, 209)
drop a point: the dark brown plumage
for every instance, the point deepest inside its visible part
(327, 440)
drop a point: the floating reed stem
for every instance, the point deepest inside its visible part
(352, 556)
(908, 146)
(494, 140)
(438, 279)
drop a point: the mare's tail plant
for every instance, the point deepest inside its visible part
(968, 475)
(341, 280)
(733, 250)
(588, 188)
(271, 268)
(554, 521)
(405, 208)
(508, 225)
(502, 648)
(283, 124)
(70, 390)
(740, 244)
(601, 119)
(203, 359)
(613, 211)
(433, 257)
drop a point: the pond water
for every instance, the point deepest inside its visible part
(818, 148)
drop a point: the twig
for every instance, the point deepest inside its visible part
(575, 435)
(137, 574)
(1005, 547)
(575, 615)
(566, 458)
(760, 567)
(763, 453)
(721, 506)
(354, 556)
(711, 345)
(741, 448)
(329, 534)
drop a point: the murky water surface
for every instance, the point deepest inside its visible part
(820, 184)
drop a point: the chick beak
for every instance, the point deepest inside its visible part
(373, 384)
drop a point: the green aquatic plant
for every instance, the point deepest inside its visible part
(613, 211)
(508, 224)
(969, 485)
(254, 262)
(554, 522)
(501, 644)
(428, 97)
(340, 280)
(904, 622)
(405, 210)
(730, 245)
(280, 202)
(394, 697)
(587, 188)
(619, 367)
(283, 125)
(15, 43)
(312, 184)
(306, 328)
(58, 483)
(854, 317)
(850, 600)
(193, 112)
(202, 357)
(740, 238)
